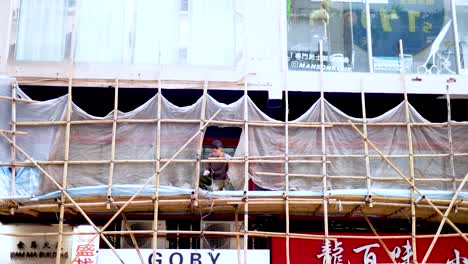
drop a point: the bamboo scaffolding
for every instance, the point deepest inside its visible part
(389, 254)
(236, 123)
(15, 99)
(410, 150)
(196, 175)
(324, 159)
(152, 177)
(13, 138)
(65, 168)
(154, 243)
(366, 146)
(13, 132)
(450, 136)
(286, 172)
(115, 115)
(246, 171)
(64, 192)
(410, 183)
(222, 233)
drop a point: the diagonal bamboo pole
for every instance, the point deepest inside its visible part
(158, 172)
(389, 162)
(66, 194)
(378, 238)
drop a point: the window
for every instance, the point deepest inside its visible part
(42, 30)
(340, 25)
(426, 30)
(462, 23)
(201, 32)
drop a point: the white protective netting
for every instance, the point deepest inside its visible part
(137, 141)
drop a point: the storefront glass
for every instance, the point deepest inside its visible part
(462, 23)
(340, 25)
(425, 26)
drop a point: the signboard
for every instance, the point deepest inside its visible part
(183, 256)
(353, 250)
(85, 247)
(33, 249)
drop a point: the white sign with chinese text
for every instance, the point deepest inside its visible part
(33, 249)
(85, 247)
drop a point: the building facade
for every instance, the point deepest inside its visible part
(344, 120)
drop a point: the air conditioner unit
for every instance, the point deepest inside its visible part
(219, 242)
(144, 241)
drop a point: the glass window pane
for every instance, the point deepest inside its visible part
(213, 32)
(102, 33)
(341, 26)
(462, 23)
(426, 31)
(41, 30)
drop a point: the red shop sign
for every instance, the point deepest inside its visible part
(447, 250)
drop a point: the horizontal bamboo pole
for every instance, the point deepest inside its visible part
(13, 132)
(17, 99)
(224, 234)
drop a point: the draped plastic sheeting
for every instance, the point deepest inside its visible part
(138, 141)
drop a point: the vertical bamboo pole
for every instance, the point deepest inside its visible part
(450, 137)
(67, 141)
(286, 171)
(196, 175)
(410, 151)
(460, 187)
(246, 169)
(324, 159)
(13, 138)
(114, 136)
(65, 169)
(366, 145)
(236, 217)
(157, 173)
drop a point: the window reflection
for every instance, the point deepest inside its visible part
(427, 34)
(462, 23)
(335, 24)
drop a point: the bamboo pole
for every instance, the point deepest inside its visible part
(196, 175)
(389, 254)
(15, 99)
(132, 235)
(13, 132)
(65, 168)
(65, 193)
(450, 136)
(238, 244)
(152, 176)
(324, 159)
(113, 141)
(12, 146)
(286, 172)
(222, 233)
(444, 219)
(410, 183)
(410, 150)
(246, 171)
(366, 146)
(157, 175)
